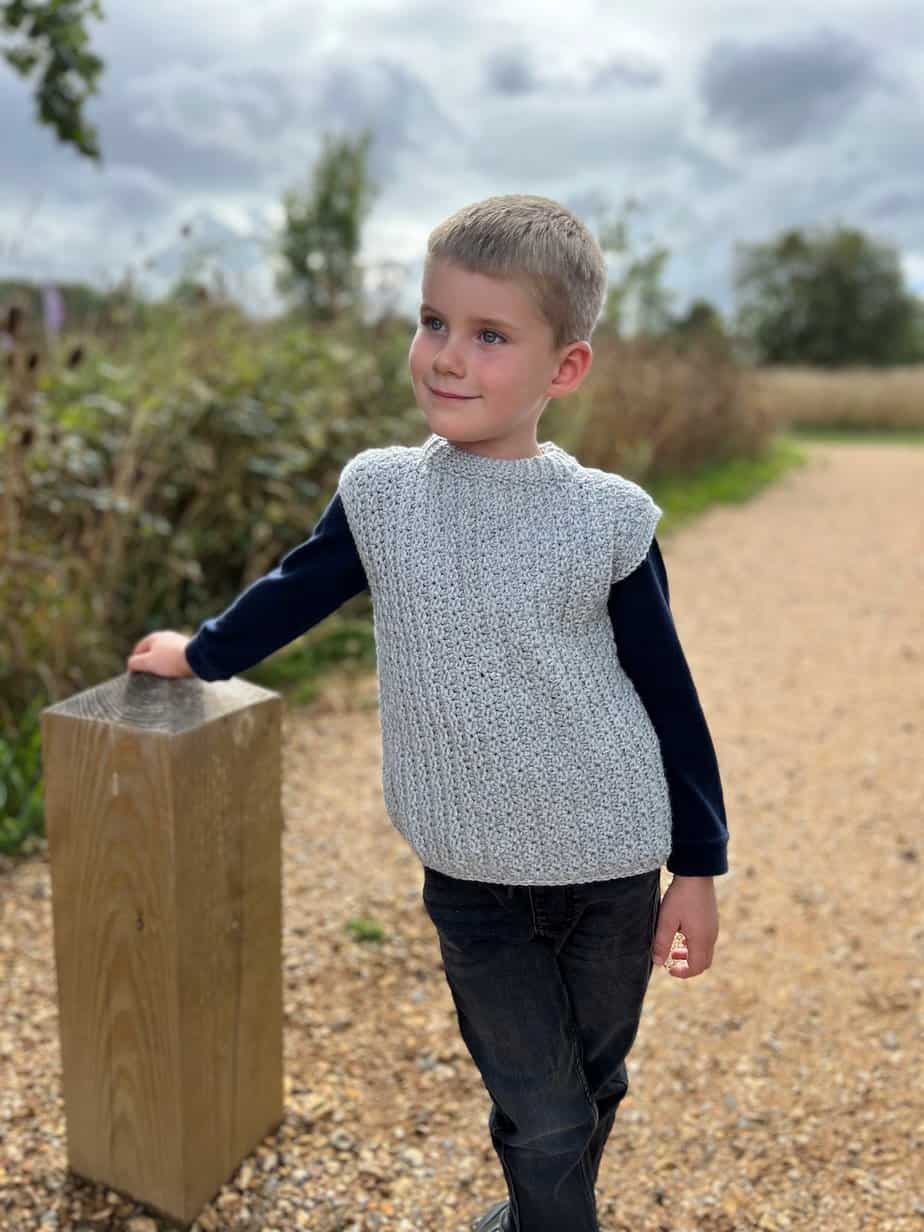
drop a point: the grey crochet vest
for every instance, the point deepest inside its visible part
(515, 749)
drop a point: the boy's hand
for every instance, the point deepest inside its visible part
(161, 653)
(688, 907)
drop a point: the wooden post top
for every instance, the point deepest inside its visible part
(164, 704)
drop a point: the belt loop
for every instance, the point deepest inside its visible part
(510, 891)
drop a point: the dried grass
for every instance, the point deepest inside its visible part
(856, 397)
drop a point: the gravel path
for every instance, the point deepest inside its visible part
(779, 1090)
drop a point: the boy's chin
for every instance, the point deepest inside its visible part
(452, 423)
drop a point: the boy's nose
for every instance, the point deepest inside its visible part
(450, 352)
(456, 371)
(447, 359)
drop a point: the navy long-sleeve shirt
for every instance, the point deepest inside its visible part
(320, 574)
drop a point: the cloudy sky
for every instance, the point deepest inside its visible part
(727, 119)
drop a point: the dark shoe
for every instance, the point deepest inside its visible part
(494, 1219)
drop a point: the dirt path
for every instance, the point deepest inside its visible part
(780, 1090)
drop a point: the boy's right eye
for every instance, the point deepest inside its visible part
(427, 320)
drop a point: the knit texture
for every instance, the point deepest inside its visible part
(515, 749)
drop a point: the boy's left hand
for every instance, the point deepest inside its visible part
(688, 907)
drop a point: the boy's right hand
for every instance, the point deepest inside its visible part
(161, 653)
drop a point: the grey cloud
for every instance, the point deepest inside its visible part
(556, 138)
(411, 18)
(133, 40)
(902, 200)
(28, 150)
(775, 93)
(183, 167)
(709, 173)
(168, 133)
(509, 72)
(623, 71)
(136, 192)
(213, 132)
(260, 101)
(226, 129)
(391, 99)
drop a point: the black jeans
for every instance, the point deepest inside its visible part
(548, 984)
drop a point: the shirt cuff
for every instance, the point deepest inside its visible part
(199, 662)
(699, 859)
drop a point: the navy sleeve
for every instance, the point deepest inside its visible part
(653, 659)
(310, 582)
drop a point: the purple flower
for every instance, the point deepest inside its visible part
(53, 309)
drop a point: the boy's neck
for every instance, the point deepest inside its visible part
(502, 448)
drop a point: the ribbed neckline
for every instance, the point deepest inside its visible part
(442, 456)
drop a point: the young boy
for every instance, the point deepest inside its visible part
(544, 748)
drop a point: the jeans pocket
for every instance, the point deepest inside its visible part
(621, 915)
(463, 911)
(456, 891)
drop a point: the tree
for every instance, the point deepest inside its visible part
(320, 236)
(917, 331)
(53, 40)
(830, 297)
(635, 292)
(701, 323)
(700, 317)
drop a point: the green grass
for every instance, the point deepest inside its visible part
(296, 671)
(737, 480)
(730, 482)
(363, 929)
(846, 433)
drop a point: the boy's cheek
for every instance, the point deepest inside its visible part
(417, 356)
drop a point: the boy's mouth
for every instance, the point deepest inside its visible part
(455, 397)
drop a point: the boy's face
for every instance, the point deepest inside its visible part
(483, 338)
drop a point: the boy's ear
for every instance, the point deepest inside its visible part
(573, 366)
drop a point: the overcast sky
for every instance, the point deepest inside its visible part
(727, 119)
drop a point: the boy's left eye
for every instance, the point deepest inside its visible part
(425, 320)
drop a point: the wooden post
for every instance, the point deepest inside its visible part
(163, 820)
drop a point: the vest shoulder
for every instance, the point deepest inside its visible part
(372, 464)
(616, 490)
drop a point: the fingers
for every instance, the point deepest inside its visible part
(139, 661)
(666, 943)
(685, 967)
(679, 962)
(138, 656)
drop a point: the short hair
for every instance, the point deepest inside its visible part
(539, 244)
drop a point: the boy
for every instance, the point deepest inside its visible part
(544, 749)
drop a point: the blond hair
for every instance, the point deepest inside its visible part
(539, 244)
